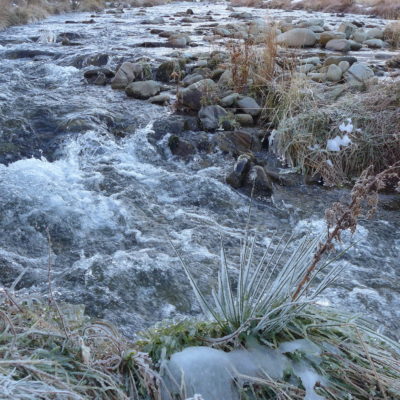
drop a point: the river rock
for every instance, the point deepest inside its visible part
(244, 119)
(262, 182)
(154, 21)
(161, 99)
(375, 33)
(229, 101)
(355, 46)
(192, 78)
(344, 66)
(166, 71)
(248, 105)
(337, 60)
(298, 37)
(238, 142)
(126, 74)
(240, 170)
(359, 35)
(359, 72)
(334, 73)
(143, 89)
(211, 117)
(180, 147)
(325, 37)
(347, 28)
(226, 79)
(342, 45)
(193, 95)
(179, 41)
(95, 76)
(374, 43)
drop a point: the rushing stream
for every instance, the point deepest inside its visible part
(110, 201)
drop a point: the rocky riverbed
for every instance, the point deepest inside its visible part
(122, 128)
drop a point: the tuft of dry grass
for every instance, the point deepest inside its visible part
(392, 34)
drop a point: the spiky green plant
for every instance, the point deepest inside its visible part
(264, 296)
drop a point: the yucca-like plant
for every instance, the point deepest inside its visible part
(269, 292)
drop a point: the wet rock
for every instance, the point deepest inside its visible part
(98, 60)
(193, 95)
(342, 45)
(374, 43)
(189, 11)
(248, 105)
(168, 70)
(16, 54)
(334, 73)
(94, 76)
(211, 117)
(173, 124)
(161, 99)
(298, 37)
(143, 89)
(126, 74)
(180, 147)
(238, 142)
(244, 119)
(359, 72)
(240, 170)
(263, 185)
(241, 15)
(328, 36)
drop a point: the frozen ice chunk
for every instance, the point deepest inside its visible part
(338, 141)
(309, 379)
(346, 127)
(200, 370)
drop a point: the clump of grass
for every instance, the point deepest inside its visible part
(392, 34)
(303, 129)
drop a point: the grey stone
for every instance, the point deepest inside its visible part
(179, 41)
(126, 74)
(347, 28)
(325, 37)
(334, 73)
(143, 89)
(192, 78)
(225, 79)
(262, 182)
(193, 95)
(342, 45)
(211, 117)
(166, 70)
(248, 105)
(229, 101)
(337, 60)
(359, 35)
(374, 43)
(244, 119)
(161, 99)
(298, 37)
(375, 33)
(344, 66)
(359, 73)
(355, 46)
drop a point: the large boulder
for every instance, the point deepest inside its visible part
(342, 45)
(298, 37)
(143, 89)
(195, 94)
(211, 117)
(126, 74)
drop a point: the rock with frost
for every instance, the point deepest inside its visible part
(325, 37)
(298, 37)
(374, 43)
(248, 105)
(375, 33)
